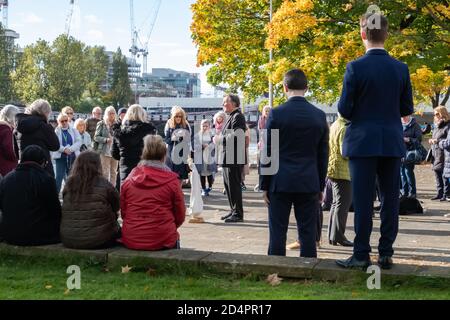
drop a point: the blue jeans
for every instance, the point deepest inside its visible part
(408, 187)
(63, 166)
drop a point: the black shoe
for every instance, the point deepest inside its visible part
(443, 199)
(437, 198)
(226, 216)
(234, 219)
(385, 262)
(352, 262)
(345, 243)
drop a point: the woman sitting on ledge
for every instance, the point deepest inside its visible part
(29, 202)
(152, 202)
(90, 206)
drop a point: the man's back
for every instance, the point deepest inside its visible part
(303, 147)
(377, 92)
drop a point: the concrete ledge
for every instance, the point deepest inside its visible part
(288, 267)
(257, 264)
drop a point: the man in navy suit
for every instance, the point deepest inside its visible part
(303, 161)
(376, 94)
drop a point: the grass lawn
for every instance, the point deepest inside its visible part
(33, 278)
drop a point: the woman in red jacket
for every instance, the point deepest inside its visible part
(8, 144)
(152, 202)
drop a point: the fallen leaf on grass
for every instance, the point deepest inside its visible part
(67, 292)
(48, 287)
(274, 280)
(126, 269)
(151, 272)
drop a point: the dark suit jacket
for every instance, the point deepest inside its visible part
(376, 93)
(303, 151)
(233, 140)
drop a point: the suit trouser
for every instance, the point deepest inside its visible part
(232, 179)
(306, 208)
(363, 172)
(342, 200)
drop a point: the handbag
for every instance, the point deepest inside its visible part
(430, 157)
(416, 155)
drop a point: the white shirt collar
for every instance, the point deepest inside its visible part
(376, 48)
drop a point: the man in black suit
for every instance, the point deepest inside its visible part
(376, 94)
(303, 161)
(232, 156)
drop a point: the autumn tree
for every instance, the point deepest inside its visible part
(321, 37)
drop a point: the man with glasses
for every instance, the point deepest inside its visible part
(91, 123)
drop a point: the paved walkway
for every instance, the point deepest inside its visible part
(422, 239)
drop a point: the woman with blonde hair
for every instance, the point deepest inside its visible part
(178, 131)
(86, 142)
(204, 156)
(103, 140)
(129, 139)
(152, 202)
(440, 133)
(8, 144)
(33, 129)
(68, 111)
(70, 143)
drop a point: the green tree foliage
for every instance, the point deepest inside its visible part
(7, 53)
(97, 63)
(120, 84)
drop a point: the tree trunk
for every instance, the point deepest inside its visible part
(447, 96)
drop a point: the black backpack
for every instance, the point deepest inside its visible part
(410, 206)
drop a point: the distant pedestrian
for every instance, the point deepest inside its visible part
(103, 141)
(9, 155)
(33, 129)
(177, 134)
(440, 133)
(91, 123)
(70, 144)
(204, 156)
(412, 136)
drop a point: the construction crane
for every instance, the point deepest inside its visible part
(69, 17)
(4, 11)
(137, 46)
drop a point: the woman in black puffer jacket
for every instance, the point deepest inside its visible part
(129, 140)
(442, 127)
(33, 129)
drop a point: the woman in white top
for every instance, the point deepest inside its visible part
(70, 143)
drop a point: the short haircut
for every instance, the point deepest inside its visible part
(234, 99)
(40, 107)
(33, 153)
(375, 33)
(154, 148)
(295, 79)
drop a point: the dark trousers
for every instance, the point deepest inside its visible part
(442, 184)
(63, 166)
(342, 200)
(363, 172)
(232, 179)
(210, 181)
(408, 180)
(306, 208)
